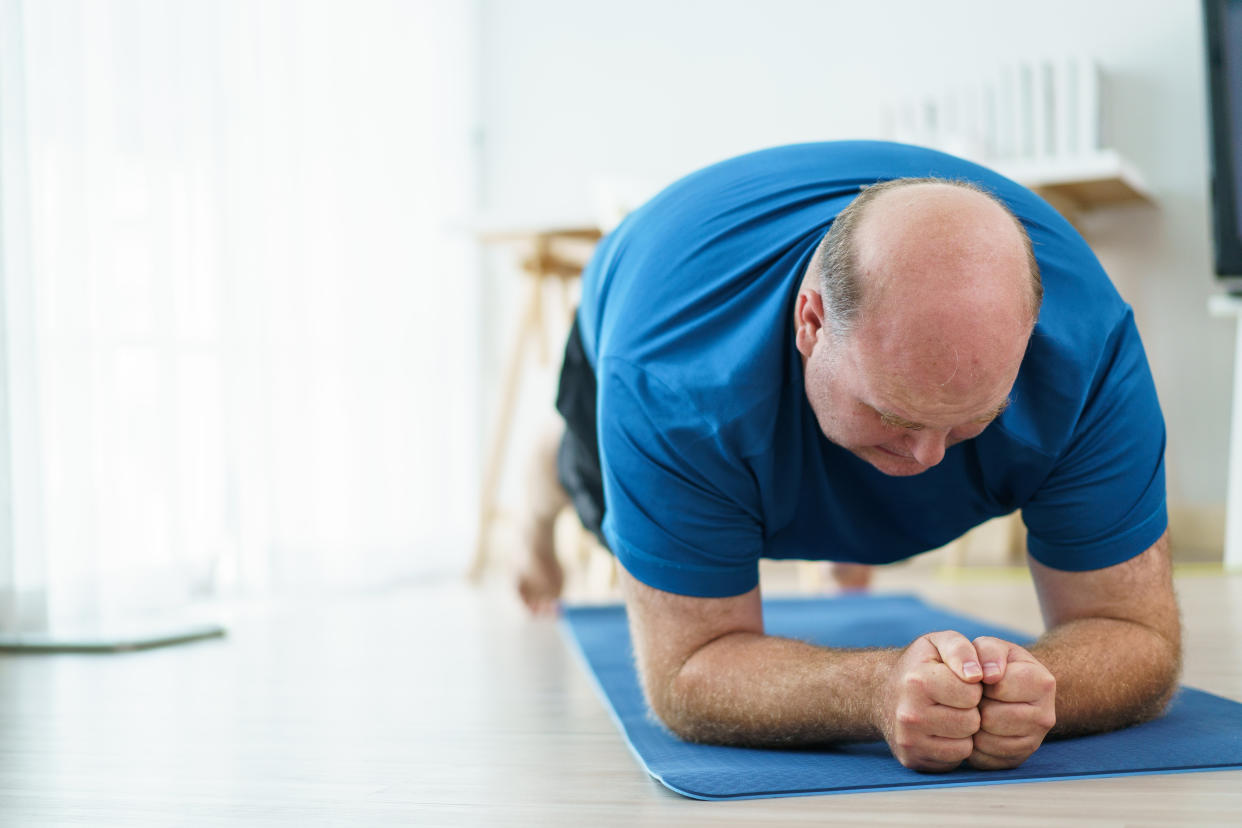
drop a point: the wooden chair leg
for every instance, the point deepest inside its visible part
(1017, 539)
(958, 553)
(810, 576)
(539, 263)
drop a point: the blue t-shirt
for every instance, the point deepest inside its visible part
(712, 457)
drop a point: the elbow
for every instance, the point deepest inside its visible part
(1172, 673)
(685, 701)
(671, 698)
(1172, 676)
(683, 726)
(1165, 678)
(1155, 705)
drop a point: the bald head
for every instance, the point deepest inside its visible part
(934, 235)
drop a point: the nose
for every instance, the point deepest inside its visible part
(927, 446)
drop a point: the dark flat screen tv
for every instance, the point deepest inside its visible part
(1222, 22)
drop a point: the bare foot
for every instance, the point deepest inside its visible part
(852, 577)
(540, 576)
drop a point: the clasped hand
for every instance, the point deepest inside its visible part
(987, 702)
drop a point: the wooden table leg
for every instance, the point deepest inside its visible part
(529, 328)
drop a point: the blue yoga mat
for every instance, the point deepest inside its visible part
(1200, 731)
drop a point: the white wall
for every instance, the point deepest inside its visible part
(655, 88)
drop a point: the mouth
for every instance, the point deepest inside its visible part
(892, 453)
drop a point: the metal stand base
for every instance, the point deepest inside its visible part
(105, 640)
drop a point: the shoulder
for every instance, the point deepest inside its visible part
(691, 409)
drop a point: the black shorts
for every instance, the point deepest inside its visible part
(577, 459)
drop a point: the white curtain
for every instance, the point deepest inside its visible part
(238, 353)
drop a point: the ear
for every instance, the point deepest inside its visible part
(809, 320)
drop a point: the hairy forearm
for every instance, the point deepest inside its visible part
(749, 689)
(1110, 673)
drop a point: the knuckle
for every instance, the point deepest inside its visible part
(947, 638)
(917, 763)
(994, 750)
(957, 751)
(1019, 756)
(914, 680)
(929, 764)
(909, 716)
(954, 731)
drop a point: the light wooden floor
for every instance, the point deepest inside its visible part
(441, 704)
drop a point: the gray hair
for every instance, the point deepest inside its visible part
(836, 260)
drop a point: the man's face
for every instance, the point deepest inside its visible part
(900, 410)
(936, 347)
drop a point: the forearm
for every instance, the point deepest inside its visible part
(1110, 673)
(749, 689)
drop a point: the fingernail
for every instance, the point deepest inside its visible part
(991, 669)
(971, 669)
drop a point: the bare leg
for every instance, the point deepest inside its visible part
(540, 577)
(851, 577)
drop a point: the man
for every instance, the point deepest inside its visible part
(767, 363)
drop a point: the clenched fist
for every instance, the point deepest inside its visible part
(949, 700)
(1018, 707)
(929, 707)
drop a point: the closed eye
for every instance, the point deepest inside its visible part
(893, 421)
(996, 412)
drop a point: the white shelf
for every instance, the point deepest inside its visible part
(1080, 182)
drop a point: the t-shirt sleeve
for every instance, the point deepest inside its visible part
(677, 514)
(1104, 501)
